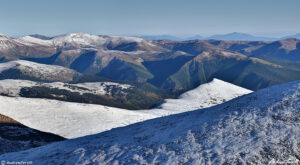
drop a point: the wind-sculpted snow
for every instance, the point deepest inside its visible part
(72, 120)
(259, 128)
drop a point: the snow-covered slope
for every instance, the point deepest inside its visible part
(12, 87)
(38, 71)
(45, 69)
(31, 41)
(206, 95)
(7, 43)
(80, 39)
(83, 40)
(259, 128)
(75, 38)
(66, 119)
(74, 120)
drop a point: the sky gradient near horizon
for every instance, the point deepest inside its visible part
(271, 18)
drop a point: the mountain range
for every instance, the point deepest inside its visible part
(128, 100)
(229, 36)
(158, 68)
(35, 80)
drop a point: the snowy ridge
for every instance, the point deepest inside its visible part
(206, 95)
(11, 87)
(8, 65)
(82, 40)
(72, 120)
(259, 128)
(3, 37)
(7, 43)
(41, 71)
(30, 41)
(22, 64)
(78, 38)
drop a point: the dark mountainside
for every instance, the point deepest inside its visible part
(17, 137)
(163, 68)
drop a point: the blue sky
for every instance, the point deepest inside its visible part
(150, 17)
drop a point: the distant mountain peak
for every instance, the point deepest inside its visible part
(42, 37)
(238, 33)
(3, 37)
(291, 39)
(170, 37)
(240, 36)
(292, 36)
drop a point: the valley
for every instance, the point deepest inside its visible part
(164, 64)
(150, 82)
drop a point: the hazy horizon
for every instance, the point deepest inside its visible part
(137, 35)
(265, 18)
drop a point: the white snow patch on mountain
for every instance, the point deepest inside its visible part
(89, 39)
(7, 65)
(3, 37)
(258, 128)
(34, 68)
(102, 88)
(206, 95)
(28, 40)
(82, 40)
(7, 43)
(72, 120)
(69, 120)
(121, 39)
(12, 87)
(78, 38)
